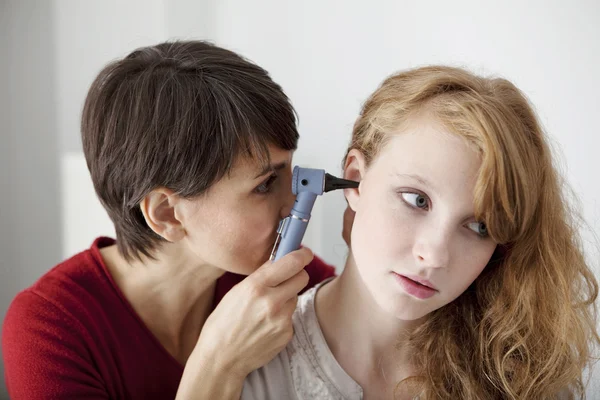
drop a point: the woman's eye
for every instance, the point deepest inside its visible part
(479, 228)
(416, 200)
(265, 187)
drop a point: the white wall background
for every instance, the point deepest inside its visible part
(328, 55)
(30, 217)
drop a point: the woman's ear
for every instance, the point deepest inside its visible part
(354, 169)
(159, 209)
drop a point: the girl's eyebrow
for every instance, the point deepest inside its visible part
(419, 179)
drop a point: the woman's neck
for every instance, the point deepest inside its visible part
(171, 295)
(367, 342)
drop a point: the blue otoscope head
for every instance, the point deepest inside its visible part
(307, 184)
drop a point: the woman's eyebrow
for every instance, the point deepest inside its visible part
(271, 167)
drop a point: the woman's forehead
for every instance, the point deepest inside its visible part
(251, 167)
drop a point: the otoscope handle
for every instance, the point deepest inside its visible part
(307, 184)
(292, 228)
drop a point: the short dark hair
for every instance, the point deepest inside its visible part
(176, 115)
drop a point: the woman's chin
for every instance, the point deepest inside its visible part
(249, 264)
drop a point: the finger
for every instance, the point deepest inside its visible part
(290, 306)
(290, 288)
(274, 273)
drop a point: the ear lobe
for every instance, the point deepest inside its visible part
(354, 169)
(159, 212)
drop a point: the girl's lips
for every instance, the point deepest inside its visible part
(414, 288)
(422, 281)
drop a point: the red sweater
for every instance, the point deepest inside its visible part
(74, 335)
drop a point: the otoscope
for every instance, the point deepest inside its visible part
(307, 184)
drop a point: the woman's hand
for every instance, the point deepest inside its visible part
(249, 327)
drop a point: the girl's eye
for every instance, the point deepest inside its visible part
(416, 200)
(479, 228)
(265, 187)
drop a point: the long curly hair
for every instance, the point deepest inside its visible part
(526, 328)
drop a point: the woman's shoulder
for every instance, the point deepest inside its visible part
(47, 328)
(82, 272)
(69, 335)
(71, 331)
(68, 292)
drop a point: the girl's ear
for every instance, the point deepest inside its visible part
(354, 169)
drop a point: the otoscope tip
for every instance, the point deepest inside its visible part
(334, 183)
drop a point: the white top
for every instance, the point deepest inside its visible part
(306, 368)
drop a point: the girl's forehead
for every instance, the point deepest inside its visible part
(425, 143)
(440, 158)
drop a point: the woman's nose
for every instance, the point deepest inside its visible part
(288, 199)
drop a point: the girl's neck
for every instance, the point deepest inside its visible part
(368, 343)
